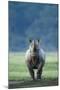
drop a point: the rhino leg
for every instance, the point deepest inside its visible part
(31, 71)
(39, 70)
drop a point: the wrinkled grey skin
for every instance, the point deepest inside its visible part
(34, 59)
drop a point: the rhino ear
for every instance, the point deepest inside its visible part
(38, 40)
(30, 40)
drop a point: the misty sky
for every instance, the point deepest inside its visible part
(31, 20)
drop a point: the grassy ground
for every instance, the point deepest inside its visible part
(18, 70)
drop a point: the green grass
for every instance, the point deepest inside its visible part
(18, 69)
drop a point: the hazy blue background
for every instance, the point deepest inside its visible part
(28, 20)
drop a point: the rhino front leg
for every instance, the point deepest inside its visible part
(31, 71)
(39, 71)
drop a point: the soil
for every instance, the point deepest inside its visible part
(32, 83)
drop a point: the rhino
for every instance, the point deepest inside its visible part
(35, 59)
